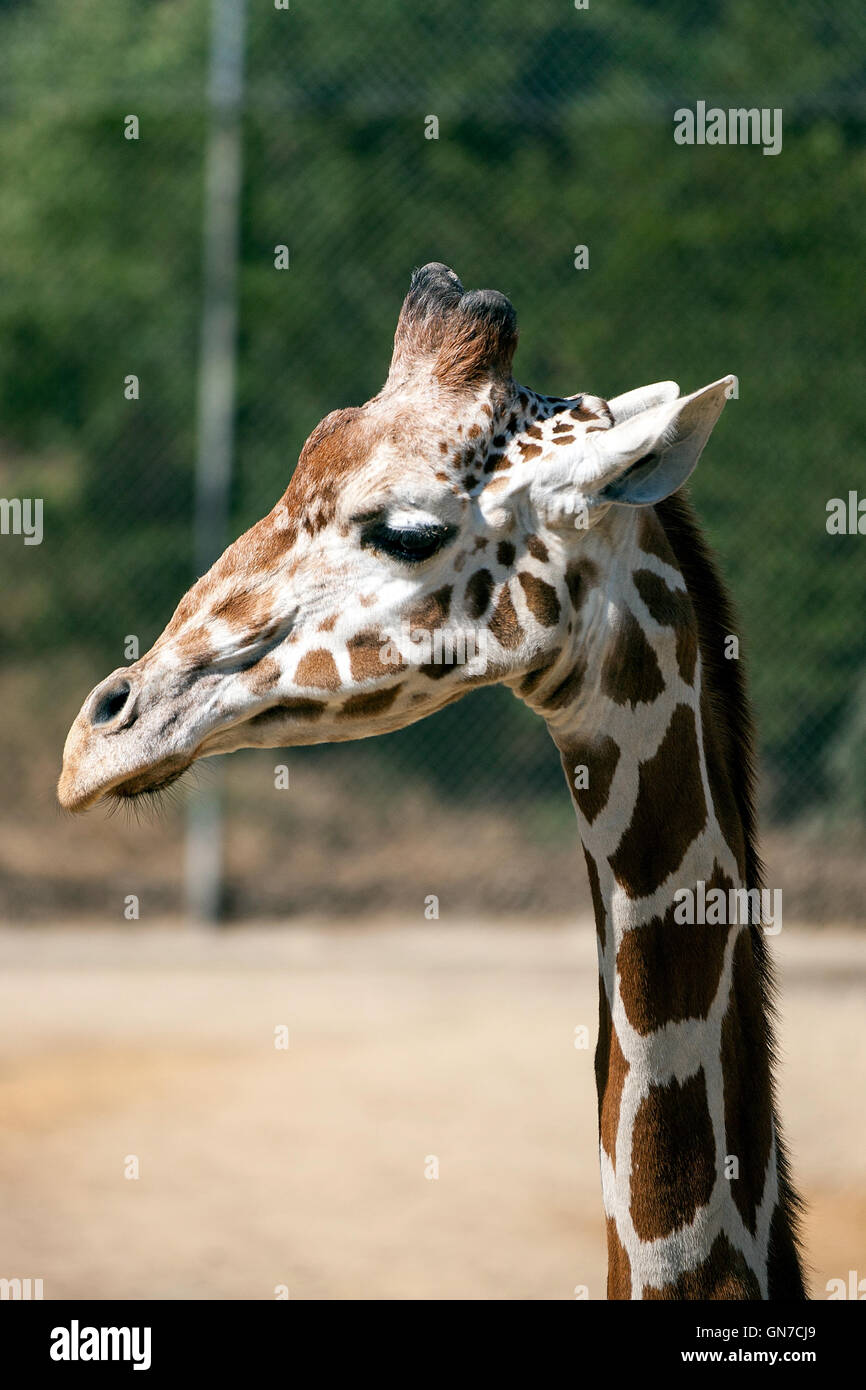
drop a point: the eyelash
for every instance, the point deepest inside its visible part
(411, 544)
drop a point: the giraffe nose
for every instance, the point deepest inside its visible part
(111, 705)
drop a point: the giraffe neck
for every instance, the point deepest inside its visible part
(694, 1181)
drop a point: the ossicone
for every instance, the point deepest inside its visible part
(459, 337)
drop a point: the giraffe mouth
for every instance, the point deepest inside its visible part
(147, 784)
(86, 780)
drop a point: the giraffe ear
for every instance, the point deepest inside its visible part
(647, 455)
(643, 398)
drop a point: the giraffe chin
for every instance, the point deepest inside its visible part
(146, 784)
(77, 795)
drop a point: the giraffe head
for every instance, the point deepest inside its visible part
(429, 541)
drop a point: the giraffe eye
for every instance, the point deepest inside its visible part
(412, 544)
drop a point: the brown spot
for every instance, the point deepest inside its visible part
(537, 549)
(533, 678)
(581, 412)
(432, 611)
(670, 970)
(263, 676)
(669, 813)
(600, 759)
(336, 447)
(580, 575)
(529, 451)
(672, 609)
(652, 539)
(568, 689)
(666, 606)
(618, 1265)
(687, 652)
(597, 899)
(248, 609)
(365, 656)
(611, 1070)
(480, 542)
(505, 553)
(541, 598)
(478, 590)
(746, 1073)
(300, 709)
(449, 651)
(673, 1157)
(503, 622)
(195, 650)
(318, 668)
(630, 673)
(266, 545)
(374, 702)
(723, 1275)
(329, 624)
(563, 427)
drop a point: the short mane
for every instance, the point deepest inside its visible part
(726, 686)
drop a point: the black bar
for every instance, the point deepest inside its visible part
(229, 1338)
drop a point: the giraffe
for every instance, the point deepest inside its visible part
(458, 502)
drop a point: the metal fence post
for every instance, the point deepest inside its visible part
(216, 396)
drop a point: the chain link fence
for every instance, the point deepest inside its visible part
(500, 140)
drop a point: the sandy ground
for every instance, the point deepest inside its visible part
(305, 1167)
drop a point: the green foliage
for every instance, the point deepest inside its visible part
(555, 130)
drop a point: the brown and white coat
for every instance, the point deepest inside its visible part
(457, 501)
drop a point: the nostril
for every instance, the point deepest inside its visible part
(110, 704)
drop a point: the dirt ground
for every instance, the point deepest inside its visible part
(305, 1166)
